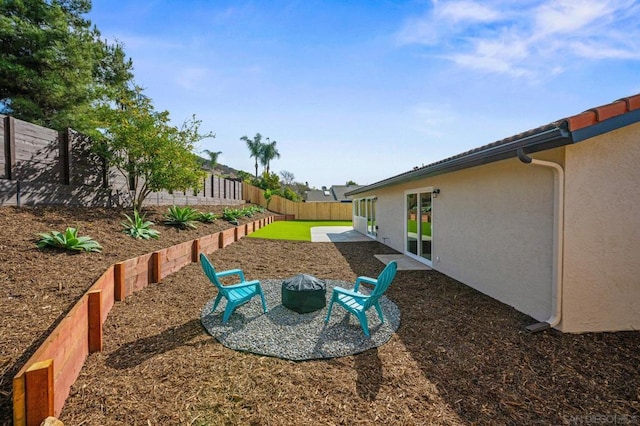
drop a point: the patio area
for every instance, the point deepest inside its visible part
(286, 334)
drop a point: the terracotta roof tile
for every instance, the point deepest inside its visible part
(633, 102)
(603, 112)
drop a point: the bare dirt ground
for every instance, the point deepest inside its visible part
(459, 357)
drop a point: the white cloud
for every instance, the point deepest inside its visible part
(418, 31)
(595, 50)
(521, 39)
(444, 20)
(569, 16)
(457, 11)
(501, 55)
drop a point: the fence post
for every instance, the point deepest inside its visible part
(95, 321)
(64, 142)
(10, 148)
(39, 397)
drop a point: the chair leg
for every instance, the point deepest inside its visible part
(264, 304)
(379, 310)
(215, 304)
(362, 317)
(330, 307)
(228, 311)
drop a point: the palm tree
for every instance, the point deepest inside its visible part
(213, 158)
(255, 148)
(268, 153)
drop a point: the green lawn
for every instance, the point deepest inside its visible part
(426, 227)
(297, 230)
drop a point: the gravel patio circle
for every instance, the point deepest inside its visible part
(286, 334)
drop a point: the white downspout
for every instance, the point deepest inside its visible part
(558, 242)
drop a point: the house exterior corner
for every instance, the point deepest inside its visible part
(602, 233)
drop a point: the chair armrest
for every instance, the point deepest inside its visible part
(365, 280)
(231, 272)
(241, 285)
(354, 294)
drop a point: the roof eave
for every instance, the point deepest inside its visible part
(551, 138)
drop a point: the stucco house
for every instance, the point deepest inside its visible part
(547, 221)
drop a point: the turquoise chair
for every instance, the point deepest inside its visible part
(236, 294)
(358, 303)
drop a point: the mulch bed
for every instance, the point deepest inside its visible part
(459, 357)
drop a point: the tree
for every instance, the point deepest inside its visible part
(255, 148)
(53, 65)
(213, 158)
(287, 177)
(351, 183)
(300, 188)
(269, 181)
(268, 195)
(267, 153)
(245, 176)
(290, 194)
(147, 150)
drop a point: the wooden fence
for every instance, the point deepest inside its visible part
(43, 166)
(42, 386)
(302, 211)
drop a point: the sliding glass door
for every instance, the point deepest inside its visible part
(372, 229)
(418, 222)
(364, 209)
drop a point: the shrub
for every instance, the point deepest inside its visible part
(251, 210)
(208, 217)
(182, 217)
(139, 228)
(231, 215)
(290, 194)
(68, 240)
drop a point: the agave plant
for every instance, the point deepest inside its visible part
(251, 210)
(139, 228)
(68, 240)
(207, 217)
(231, 215)
(182, 217)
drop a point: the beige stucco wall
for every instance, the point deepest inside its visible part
(492, 229)
(602, 233)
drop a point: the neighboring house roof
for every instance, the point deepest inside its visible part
(334, 194)
(318, 195)
(576, 128)
(339, 191)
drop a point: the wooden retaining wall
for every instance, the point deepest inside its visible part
(42, 386)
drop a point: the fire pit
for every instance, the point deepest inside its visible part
(304, 293)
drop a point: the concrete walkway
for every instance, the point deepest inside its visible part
(405, 263)
(337, 234)
(346, 234)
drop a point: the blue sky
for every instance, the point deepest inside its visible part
(364, 90)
